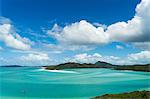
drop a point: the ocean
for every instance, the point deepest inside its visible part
(37, 83)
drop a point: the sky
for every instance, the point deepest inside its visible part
(47, 32)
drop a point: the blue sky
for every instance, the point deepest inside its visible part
(42, 32)
(48, 12)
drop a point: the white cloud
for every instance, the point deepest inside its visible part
(85, 58)
(36, 57)
(142, 57)
(33, 57)
(91, 58)
(12, 39)
(84, 33)
(135, 30)
(80, 33)
(125, 31)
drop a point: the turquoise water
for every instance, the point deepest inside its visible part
(36, 83)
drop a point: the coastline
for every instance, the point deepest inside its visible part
(58, 71)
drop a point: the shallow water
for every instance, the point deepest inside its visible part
(36, 83)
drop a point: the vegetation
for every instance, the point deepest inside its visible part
(130, 95)
(145, 68)
(104, 64)
(99, 64)
(71, 65)
(78, 65)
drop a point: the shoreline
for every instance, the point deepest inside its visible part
(57, 71)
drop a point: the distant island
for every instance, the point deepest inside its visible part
(99, 64)
(129, 95)
(11, 66)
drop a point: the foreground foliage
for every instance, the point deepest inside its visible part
(130, 95)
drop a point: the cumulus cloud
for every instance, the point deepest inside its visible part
(85, 58)
(92, 58)
(32, 57)
(142, 57)
(79, 33)
(36, 57)
(126, 31)
(84, 33)
(12, 39)
(135, 30)
(136, 58)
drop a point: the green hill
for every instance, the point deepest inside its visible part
(73, 65)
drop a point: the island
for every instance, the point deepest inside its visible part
(130, 95)
(11, 66)
(99, 64)
(72, 65)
